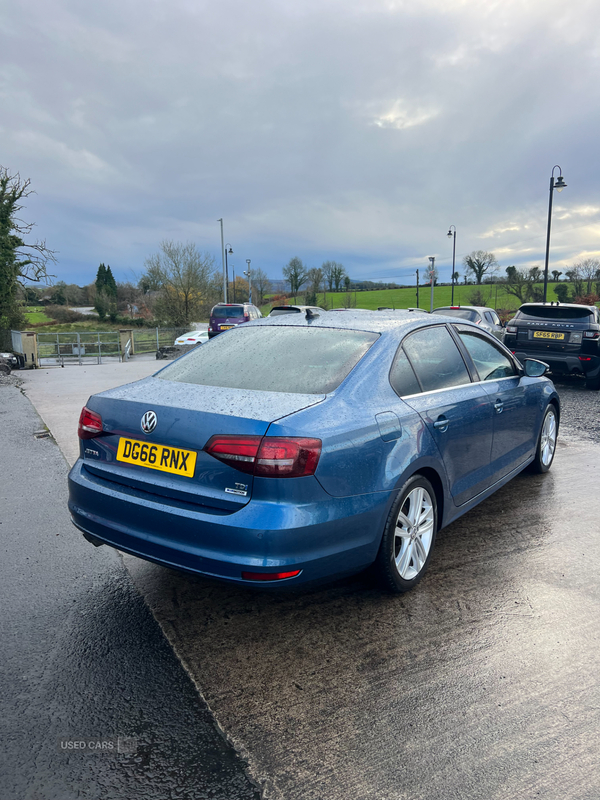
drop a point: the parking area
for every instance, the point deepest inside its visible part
(482, 682)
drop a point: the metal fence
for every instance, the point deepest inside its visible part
(62, 349)
(78, 348)
(149, 340)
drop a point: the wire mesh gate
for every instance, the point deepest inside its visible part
(61, 349)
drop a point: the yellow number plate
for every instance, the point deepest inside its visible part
(227, 327)
(157, 456)
(547, 335)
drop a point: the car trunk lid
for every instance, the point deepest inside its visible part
(187, 415)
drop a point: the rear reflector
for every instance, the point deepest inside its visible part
(584, 358)
(269, 576)
(90, 424)
(267, 456)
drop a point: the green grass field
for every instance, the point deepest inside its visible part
(495, 297)
(35, 314)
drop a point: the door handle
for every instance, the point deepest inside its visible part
(441, 425)
(499, 406)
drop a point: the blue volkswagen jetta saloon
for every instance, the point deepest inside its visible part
(293, 451)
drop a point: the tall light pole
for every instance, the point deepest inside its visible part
(559, 186)
(431, 274)
(450, 236)
(227, 267)
(249, 274)
(223, 260)
(417, 288)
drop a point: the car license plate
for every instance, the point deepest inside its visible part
(157, 456)
(547, 335)
(227, 327)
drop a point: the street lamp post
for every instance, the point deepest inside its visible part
(249, 274)
(559, 186)
(223, 262)
(417, 288)
(451, 235)
(431, 273)
(227, 267)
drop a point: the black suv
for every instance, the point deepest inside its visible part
(565, 336)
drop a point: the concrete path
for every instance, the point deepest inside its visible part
(481, 683)
(83, 661)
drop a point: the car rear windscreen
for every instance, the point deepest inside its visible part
(463, 313)
(226, 312)
(276, 312)
(554, 312)
(274, 359)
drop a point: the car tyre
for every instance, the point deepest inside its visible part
(546, 446)
(408, 537)
(593, 383)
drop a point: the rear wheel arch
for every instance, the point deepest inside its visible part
(436, 482)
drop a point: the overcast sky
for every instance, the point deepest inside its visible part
(354, 130)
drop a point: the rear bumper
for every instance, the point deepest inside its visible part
(563, 364)
(324, 539)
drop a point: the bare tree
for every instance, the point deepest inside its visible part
(522, 284)
(21, 260)
(479, 262)
(261, 285)
(576, 278)
(334, 273)
(589, 270)
(295, 272)
(184, 281)
(556, 275)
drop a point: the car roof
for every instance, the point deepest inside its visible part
(554, 305)
(468, 308)
(383, 322)
(294, 308)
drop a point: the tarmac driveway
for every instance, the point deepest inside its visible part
(481, 683)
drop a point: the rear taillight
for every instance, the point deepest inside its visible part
(591, 334)
(270, 576)
(90, 424)
(268, 456)
(511, 328)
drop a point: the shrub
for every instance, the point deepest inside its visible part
(477, 298)
(64, 314)
(586, 299)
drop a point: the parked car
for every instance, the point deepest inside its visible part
(277, 311)
(564, 335)
(292, 451)
(225, 316)
(480, 315)
(11, 358)
(193, 337)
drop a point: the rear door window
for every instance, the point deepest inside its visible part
(402, 377)
(436, 359)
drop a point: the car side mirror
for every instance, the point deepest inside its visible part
(534, 368)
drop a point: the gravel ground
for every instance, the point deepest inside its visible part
(10, 380)
(580, 410)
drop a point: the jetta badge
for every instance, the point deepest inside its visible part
(149, 421)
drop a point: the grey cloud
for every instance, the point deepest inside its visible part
(347, 130)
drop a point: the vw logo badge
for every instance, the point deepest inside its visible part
(149, 421)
